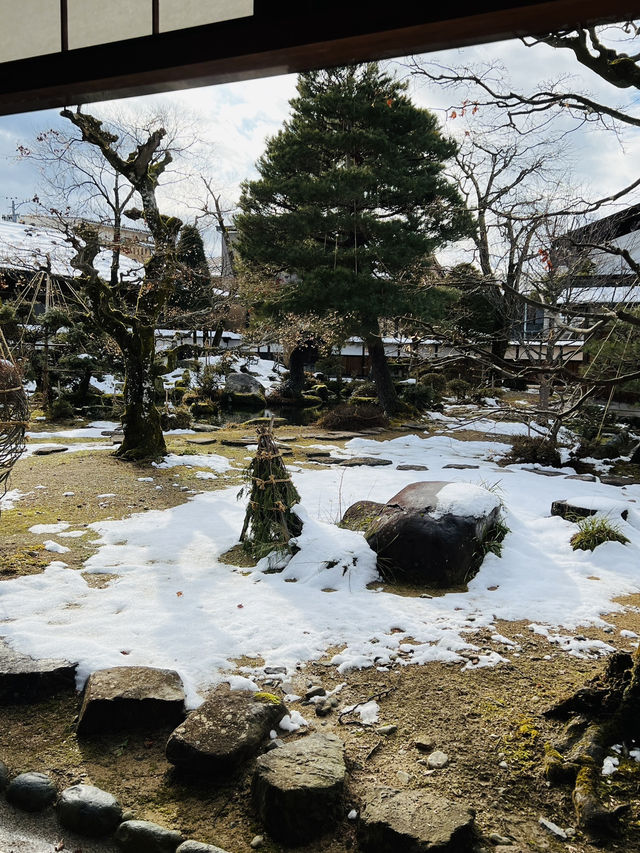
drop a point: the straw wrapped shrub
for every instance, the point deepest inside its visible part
(269, 522)
(14, 417)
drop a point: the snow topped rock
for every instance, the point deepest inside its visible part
(431, 532)
(415, 822)
(243, 383)
(297, 789)
(23, 678)
(228, 728)
(586, 505)
(131, 697)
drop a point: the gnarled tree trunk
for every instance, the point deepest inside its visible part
(143, 438)
(387, 395)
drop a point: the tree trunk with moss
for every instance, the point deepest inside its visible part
(143, 438)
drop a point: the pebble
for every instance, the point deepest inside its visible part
(424, 743)
(504, 765)
(318, 690)
(353, 814)
(257, 841)
(437, 759)
(496, 838)
(387, 730)
(553, 828)
(403, 776)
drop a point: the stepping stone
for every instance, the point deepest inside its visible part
(23, 678)
(197, 847)
(415, 822)
(204, 427)
(411, 468)
(127, 697)
(297, 789)
(202, 441)
(228, 728)
(572, 508)
(48, 449)
(544, 473)
(88, 811)
(613, 480)
(142, 836)
(586, 478)
(238, 442)
(371, 461)
(460, 467)
(321, 454)
(31, 792)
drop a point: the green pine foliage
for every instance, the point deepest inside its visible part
(193, 288)
(350, 203)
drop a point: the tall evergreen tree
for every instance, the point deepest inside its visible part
(193, 291)
(350, 202)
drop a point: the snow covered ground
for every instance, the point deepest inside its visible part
(174, 604)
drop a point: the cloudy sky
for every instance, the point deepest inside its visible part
(232, 121)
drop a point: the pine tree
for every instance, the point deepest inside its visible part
(193, 291)
(350, 202)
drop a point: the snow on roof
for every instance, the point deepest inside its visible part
(28, 247)
(624, 294)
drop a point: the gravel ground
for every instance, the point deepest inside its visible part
(40, 833)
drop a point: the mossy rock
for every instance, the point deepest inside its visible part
(362, 401)
(310, 401)
(239, 400)
(361, 515)
(320, 391)
(203, 409)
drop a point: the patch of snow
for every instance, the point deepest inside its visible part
(220, 464)
(292, 722)
(465, 499)
(610, 765)
(11, 498)
(49, 528)
(55, 547)
(368, 712)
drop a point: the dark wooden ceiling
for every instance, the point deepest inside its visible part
(283, 36)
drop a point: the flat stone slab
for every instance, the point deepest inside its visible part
(415, 822)
(131, 697)
(583, 507)
(411, 468)
(239, 442)
(227, 729)
(297, 788)
(88, 811)
(544, 473)
(614, 480)
(586, 478)
(23, 679)
(459, 467)
(48, 449)
(31, 792)
(142, 836)
(372, 461)
(204, 427)
(202, 440)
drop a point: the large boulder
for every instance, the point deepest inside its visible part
(127, 697)
(243, 383)
(415, 822)
(88, 810)
(24, 679)
(297, 788)
(227, 729)
(432, 533)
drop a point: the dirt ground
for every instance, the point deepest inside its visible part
(489, 721)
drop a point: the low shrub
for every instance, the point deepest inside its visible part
(438, 381)
(61, 410)
(595, 530)
(422, 395)
(352, 417)
(481, 393)
(460, 389)
(536, 450)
